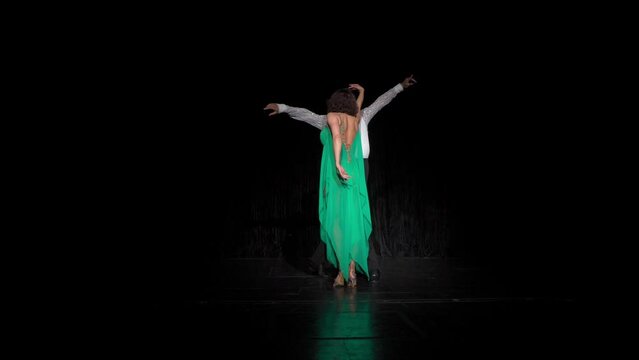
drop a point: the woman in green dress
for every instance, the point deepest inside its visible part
(344, 210)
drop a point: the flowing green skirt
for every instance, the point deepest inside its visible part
(344, 211)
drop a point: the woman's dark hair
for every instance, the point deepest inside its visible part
(342, 101)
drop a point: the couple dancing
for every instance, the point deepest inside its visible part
(344, 210)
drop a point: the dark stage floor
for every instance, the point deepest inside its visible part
(421, 307)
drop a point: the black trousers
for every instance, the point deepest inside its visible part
(319, 256)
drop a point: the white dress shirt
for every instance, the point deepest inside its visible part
(319, 121)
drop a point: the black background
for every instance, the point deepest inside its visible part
(490, 116)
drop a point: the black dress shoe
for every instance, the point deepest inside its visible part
(375, 275)
(311, 268)
(320, 270)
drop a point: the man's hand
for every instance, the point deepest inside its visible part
(408, 82)
(274, 109)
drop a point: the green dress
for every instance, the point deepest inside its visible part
(344, 211)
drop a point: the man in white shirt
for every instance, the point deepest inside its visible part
(319, 121)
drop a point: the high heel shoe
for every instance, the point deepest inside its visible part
(339, 280)
(352, 279)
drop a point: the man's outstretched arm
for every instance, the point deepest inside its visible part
(301, 114)
(386, 98)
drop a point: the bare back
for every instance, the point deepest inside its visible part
(348, 127)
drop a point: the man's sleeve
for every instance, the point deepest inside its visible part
(380, 102)
(305, 115)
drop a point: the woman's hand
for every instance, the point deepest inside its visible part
(360, 96)
(342, 173)
(357, 87)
